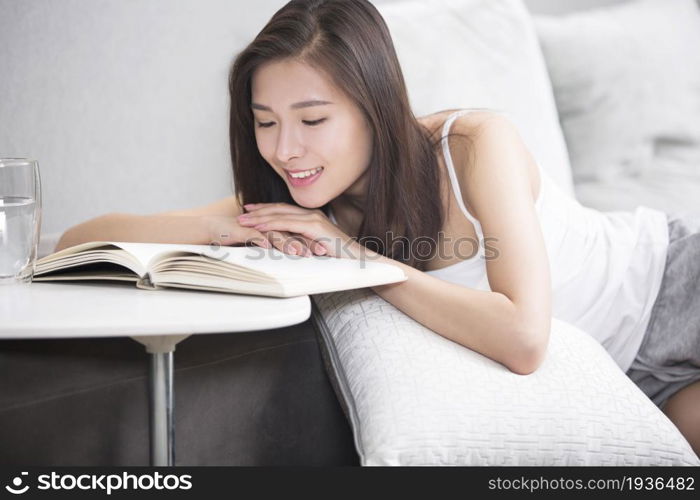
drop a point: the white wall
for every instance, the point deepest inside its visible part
(124, 102)
(564, 6)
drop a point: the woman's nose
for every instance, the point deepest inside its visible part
(288, 145)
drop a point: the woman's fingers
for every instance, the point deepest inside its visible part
(311, 247)
(282, 240)
(316, 248)
(285, 242)
(274, 208)
(298, 226)
(226, 231)
(307, 228)
(310, 231)
(299, 243)
(258, 238)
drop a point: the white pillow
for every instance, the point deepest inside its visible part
(480, 54)
(626, 80)
(414, 397)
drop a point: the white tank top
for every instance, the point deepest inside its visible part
(606, 267)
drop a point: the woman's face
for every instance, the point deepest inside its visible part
(296, 136)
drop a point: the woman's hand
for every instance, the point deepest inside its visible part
(282, 222)
(226, 231)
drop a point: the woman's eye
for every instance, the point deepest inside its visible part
(315, 122)
(306, 122)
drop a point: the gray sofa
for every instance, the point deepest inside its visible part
(252, 398)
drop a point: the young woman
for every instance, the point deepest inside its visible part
(328, 159)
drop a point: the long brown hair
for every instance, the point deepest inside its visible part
(348, 41)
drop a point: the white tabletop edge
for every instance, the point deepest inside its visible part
(52, 310)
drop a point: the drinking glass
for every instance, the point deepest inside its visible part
(20, 219)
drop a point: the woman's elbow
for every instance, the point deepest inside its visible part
(530, 353)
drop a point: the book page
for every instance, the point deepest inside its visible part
(248, 268)
(271, 263)
(135, 256)
(97, 258)
(139, 257)
(227, 268)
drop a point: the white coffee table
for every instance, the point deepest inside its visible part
(158, 319)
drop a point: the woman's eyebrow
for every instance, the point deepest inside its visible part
(296, 105)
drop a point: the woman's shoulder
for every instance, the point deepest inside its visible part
(489, 133)
(466, 133)
(467, 122)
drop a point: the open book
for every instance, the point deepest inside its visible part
(229, 269)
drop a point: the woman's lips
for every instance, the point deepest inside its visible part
(305, 181)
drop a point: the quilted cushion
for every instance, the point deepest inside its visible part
(414, 397)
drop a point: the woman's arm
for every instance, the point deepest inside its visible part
(138, 228)
(195, 226)
(486, 322)
(511, 323)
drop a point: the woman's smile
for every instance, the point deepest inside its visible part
(307, 177)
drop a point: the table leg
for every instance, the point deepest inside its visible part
(161, 409)
(161, 396)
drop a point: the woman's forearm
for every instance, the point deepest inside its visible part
(138, 228)
(484, 321)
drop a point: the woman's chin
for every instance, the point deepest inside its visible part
(309, 204)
